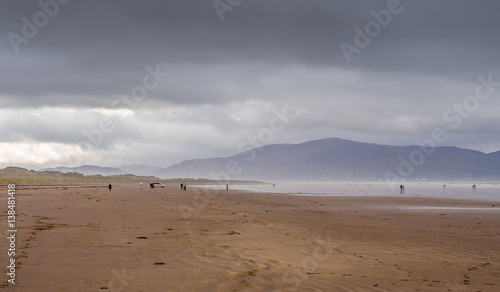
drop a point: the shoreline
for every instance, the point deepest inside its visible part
(485, 192)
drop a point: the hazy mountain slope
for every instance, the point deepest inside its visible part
(339, 159)
(495, 156)
(139, 169)
(88, 170)
(495, 159)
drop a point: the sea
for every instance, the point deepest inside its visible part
(460, 190)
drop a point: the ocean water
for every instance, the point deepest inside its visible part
(464, 190)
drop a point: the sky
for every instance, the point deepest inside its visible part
(158, 82)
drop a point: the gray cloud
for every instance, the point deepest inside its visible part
(226, 76)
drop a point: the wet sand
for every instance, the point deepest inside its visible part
(87, 238)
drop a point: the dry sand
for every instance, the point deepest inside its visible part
(87, 238)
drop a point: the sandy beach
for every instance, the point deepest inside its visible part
(87, 238)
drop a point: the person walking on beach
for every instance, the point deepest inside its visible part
(185, 185)
(227, 187)
(182, 186)
(110, 186)
(402, 189)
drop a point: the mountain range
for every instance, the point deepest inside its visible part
(136, 169)
(324, 159)
(338, 159)
(88, 170)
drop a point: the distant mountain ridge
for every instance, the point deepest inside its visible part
(88, 170)
(139, 169)
(337, 159)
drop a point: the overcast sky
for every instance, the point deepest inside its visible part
(158, 82)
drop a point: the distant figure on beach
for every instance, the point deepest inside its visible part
(474, 188)
(402, 189)
(110, 186)
(182, 187)
(185, 185)
(227, 187)
(444, 187)
(152, 185)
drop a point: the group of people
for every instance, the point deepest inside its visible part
(183, 187)
(402, 188)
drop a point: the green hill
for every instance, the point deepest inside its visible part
(18, 175)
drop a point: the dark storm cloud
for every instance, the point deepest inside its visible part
(226, 78)
(92, 51)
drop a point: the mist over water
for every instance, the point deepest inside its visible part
(459, 190)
